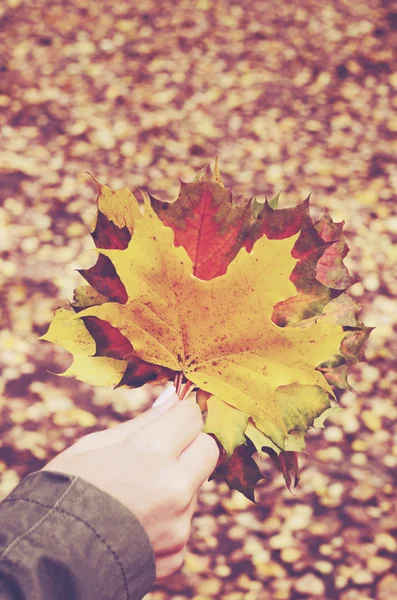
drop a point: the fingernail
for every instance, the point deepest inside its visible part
(170, 391)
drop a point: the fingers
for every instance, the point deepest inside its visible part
(199, 460)
(176, 428)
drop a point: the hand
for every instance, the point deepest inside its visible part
(153, 464)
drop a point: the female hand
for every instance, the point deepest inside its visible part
(153, 464)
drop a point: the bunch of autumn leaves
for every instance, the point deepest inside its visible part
(239, 300)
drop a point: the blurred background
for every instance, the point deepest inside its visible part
(299, 95)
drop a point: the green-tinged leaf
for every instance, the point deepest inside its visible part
(227, 423)
(260, 440)
(301, 404)
(337, 360)
(327, 414)
(85, 296)
(271, 431)
(295, 442)
(340, 311)
(274, 201)
(311, 295)
(257, 206)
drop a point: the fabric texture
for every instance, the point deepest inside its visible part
(62, 538)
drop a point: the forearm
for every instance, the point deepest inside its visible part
(61, 537)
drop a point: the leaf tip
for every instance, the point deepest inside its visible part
(182, 183)
(99, 185)
(217, 173)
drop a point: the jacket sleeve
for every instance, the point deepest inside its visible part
(62, 538)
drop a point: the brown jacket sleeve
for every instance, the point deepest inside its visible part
(61, 538)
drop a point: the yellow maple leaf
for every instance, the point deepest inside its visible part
(241, 299)
(218, 333)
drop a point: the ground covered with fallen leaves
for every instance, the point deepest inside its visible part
(299, 95)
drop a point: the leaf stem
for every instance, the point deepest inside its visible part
(187, 388)
(183, 389)
(178, 382)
